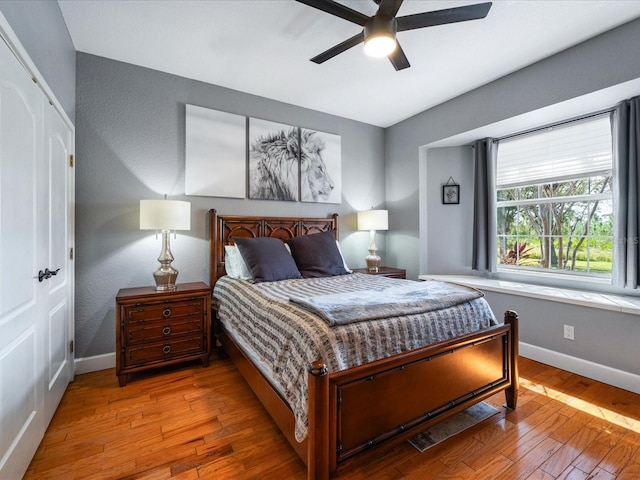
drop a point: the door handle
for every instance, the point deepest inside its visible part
(47, 274)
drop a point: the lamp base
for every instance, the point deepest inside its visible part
(165, 278)
(373, 261)
(166, 275)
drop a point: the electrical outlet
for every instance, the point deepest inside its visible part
(568, 332)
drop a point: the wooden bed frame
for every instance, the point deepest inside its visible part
(389, 400)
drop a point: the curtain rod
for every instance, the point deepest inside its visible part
(553, 125)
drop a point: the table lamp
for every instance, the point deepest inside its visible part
(165, 215)
(373, 220)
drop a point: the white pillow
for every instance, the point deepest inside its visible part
(234, 264)
(344, 263)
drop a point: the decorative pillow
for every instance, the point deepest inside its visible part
(267, 259)
(317, 255)
(234, 263)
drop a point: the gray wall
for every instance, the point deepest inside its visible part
(130, 146)
(43, 33)
(414, 167)
(447, 236)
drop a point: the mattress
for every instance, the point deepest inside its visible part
(282, 338)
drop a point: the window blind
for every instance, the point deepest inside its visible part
(559, 153)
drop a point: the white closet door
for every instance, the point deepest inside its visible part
(35, 316)
(58, 325)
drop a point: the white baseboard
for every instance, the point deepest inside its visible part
(617, 378)
(93, 364)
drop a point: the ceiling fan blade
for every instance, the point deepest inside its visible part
(389, 7)
(341, 47)
(441, 17)
(338, 10)
(398, 59)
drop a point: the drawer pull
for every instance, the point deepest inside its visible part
(166, 313)
(166, 349)
(166, 330)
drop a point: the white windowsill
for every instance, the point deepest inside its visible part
(616, 303)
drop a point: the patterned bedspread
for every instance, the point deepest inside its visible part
(284, 338)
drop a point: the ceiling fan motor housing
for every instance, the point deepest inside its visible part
(380, 24)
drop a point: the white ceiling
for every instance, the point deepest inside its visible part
(263, 47)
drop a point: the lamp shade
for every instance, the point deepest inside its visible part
(373, 220)
(165, 215)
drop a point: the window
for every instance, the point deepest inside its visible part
(554, 199)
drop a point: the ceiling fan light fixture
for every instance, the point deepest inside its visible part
(380, 36)
(380, 45)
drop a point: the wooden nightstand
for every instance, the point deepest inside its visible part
(385, 272)
(154, 329)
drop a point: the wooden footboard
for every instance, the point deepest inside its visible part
(393, 399)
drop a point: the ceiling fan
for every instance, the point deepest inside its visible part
(379, 33)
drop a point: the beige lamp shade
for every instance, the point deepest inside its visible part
(165, 215)
(373, 220)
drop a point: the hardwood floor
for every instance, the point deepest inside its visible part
(191, 422)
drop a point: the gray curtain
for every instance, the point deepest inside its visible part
(484, 206)
(626, 151)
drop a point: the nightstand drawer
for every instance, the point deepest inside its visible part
(163, 330)
(148, 353)
(164, 311)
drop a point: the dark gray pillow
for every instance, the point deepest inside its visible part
(317, 255)
(267, 259)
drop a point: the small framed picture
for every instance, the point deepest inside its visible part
(450, 194)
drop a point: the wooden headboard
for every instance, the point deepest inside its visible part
(222, 229)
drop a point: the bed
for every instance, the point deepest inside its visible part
(351, 410)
